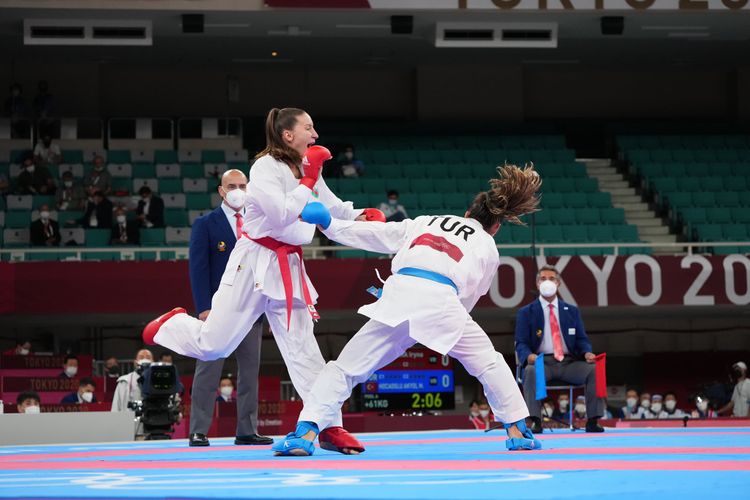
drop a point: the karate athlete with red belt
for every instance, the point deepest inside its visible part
(442, 266)
(265, 272)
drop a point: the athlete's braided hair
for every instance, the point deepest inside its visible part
(511, 195)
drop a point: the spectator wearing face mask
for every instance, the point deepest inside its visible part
(34, 179)
(579, 410)
(393, 211)
(548, 410)
(85, 393)
(703, 408)
(28, 402)
(486, 414)
(738, 406)
(226, 389)
(112, 367)
(670, 407)
(70, 196)
(98, 212)
(44, 232)
(349, 165)
(21, 349)
(98, 179)
(127, 388)
(150, 211)
(124, 232)
(563, 406)
(657, 405)
(47, 152)
(474, 417)
(70, 367)
(646, 406)
(632, 410)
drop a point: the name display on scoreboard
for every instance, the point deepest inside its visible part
(420, 379)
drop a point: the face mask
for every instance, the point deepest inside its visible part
(87, 397)
(547, 288)
(226, 391)
(44, 214)
(23, 352)
(632, 402)
(392, 201)
(547, 411)
(702, 405)
(484, 413)
(71, 371)
(30, 169)
(235, 198)
(670, 404)
(581, 408)
(121, 219)
(646, 403)
(32, 410)
(655, 407)
(563, 404)
(474, 413)
(68, 184)
(143, 362)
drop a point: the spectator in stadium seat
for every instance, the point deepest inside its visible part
(226, 389)
(34, 179)
(70, 196)
(28, 402)
(548, 409)
(632, 410)
(98, 212)
(562, 412)
(474, 417)
(391, 209)
(150, 211)
(85, 393)
(44, 232)
(485, 413)
(21, 349)
(166, 357)
(124, 233)
(703, 408)
(555, 328)
(670, 407)
(112, 367)
(579, 410)
(657, 404)
(98, 179)
(349, 164)
(46, 152)
(127, 388)
(738, 406)
(70, 367)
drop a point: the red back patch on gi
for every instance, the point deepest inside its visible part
(440, 244)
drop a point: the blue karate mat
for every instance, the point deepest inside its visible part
(621, 463)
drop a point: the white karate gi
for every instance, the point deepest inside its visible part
(414, 309)
(251, 284)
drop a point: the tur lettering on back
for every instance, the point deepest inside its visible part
(452, 225)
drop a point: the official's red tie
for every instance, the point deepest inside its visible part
(557, 345)
(238, 225)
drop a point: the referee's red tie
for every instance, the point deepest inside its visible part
(557, 346)
(238, 224)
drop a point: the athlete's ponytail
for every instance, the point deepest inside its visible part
(511, 195)
(277, 121)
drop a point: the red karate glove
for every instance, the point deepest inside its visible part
(312, 164)
(373, 215)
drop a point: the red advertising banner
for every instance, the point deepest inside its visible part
(155, 287)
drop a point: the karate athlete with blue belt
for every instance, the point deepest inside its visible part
(442, 266)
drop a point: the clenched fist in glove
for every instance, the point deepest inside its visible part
(316, 213)
(312, 164)
(372, 215)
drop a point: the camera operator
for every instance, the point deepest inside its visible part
(128, 389)
(740, 403)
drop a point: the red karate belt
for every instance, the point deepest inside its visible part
(282, 251)
(601, 375)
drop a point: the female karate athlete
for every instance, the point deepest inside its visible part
(442, 266)
(265, 272)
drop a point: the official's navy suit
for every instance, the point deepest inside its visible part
(573, 369)
(211, 241)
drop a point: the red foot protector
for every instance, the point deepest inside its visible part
(153, 327)
(338, 438)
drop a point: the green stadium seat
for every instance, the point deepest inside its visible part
(551, 200)
(519, 234)
(741, 215)
(170, 185)
(575, 200)
(212, 156)
(175, 217)
(416, 170)
(456, 201)
(683, 155)
(575, 234)
(549, 234)
(690, 184)
(428, 156)
(386, 170)
(625, 233)
(676, 200)
(709, 232)
(466, 185)
(422, 185)
(734, 183)
(118, 156)
(360, 200)
(473, 156)
(600, 234)
(663, 155)
(121, 185)
(375, 199)
(564, 216)
(451, 157)
(692, 216)
(372, 185)
(586, 185)
(431, 201)
(380, 156)
(727, 198)
(674, 170)
(651, 170)
(405, 156)
(587, 215)
(198, 201)
(734, 232)
(97, 237)
(418, 212)
(704, 199)
(350, 185)
(72, 155)
(562, 185)
(712, 184)
(663, 184)
(438, 170)
(718, 215)
(144, 170)
(153, 237)
(165, 156)
(445, 185)
(599, 200)
(410, 201)
(42, 199)
(612, 215)
(542, 217)
(193, 170)
(400, 184)
(18, 219)
(720, 169)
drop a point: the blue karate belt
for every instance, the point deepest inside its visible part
(428, 275)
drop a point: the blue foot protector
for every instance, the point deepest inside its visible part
(527, 442)
(293, 444)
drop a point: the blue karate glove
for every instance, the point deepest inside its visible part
(316, 213)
